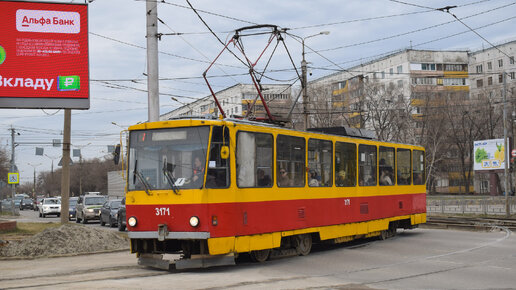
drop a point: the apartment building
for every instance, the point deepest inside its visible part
(238, 100)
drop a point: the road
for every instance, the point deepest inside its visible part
(417, 259)
(33, 216)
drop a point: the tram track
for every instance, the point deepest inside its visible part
(469, 223)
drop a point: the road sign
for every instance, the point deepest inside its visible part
(513, 152)
(13, 178)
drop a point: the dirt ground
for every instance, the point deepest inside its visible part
(68, 239)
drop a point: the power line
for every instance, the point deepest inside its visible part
(415, 31)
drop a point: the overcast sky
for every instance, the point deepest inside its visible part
(359, 31)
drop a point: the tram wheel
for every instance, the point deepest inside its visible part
(303, 244)
(260, 256)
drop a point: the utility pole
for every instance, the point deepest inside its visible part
(152, 60)
(65, 177)
(13, 169)
(507, 148)
(304, 82)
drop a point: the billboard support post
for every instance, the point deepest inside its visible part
(65, 177)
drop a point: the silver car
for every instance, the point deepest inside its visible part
(88, 208)
(50, 205)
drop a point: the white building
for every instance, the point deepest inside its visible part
(236, 101)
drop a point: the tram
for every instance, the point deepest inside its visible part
(211, 189)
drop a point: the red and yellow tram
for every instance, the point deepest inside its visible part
(209, 189)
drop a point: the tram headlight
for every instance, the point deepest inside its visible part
(194, 221)
(132, 221)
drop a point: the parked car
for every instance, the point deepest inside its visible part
(26, 203)
(109, 212)
(17, 200)
(71, 207)
(50, 205)
(121, 216)
(88, 208)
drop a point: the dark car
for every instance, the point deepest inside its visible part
(121, 216)
(26, 203)
(72, 213)
(109, 212)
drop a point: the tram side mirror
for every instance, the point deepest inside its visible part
(116, 154)
(224, 152)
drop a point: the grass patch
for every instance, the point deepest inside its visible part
(24, 230)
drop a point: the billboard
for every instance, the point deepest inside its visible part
(44, 55)
(489, 154)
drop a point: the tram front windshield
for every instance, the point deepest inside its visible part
(172, 159)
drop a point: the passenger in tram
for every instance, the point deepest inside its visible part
(283, 179)
(263, 179)
(386, 176)
(314, 181)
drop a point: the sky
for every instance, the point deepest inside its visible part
(359, 31)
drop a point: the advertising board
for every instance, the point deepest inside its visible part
(44, 55)
(489, 154)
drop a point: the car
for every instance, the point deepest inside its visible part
(71, 208)
(26, 203)
(37, 203)
(109, 212)
(50, 205)
(88, 208)
(121, 216)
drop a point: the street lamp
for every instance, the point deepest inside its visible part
(304, 83)
(34, 184)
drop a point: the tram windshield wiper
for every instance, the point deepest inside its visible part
(168, 169)
(141, 178)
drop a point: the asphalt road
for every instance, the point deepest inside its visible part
(417, 259)
(33, 216)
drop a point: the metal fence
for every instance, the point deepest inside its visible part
(473, 205)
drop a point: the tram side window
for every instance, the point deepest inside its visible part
(254, 159)
(403, 172)
(345, 164)
(290, 156)
(418, 167)
(319, 162)
(386, 166)
(218, 167)
(367, 165)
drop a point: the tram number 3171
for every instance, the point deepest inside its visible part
(160, 211)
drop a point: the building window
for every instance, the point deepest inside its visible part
(511, 60)
(454, 67)
(400, 84)
(489, 65)
(479, 68)
(399, 69)
(489, 81)
(511, 74)
(480, 83)
(391, 70)
(500, 78)
(428, 66)
(454, 82)
(500, 63)
(383, 74)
